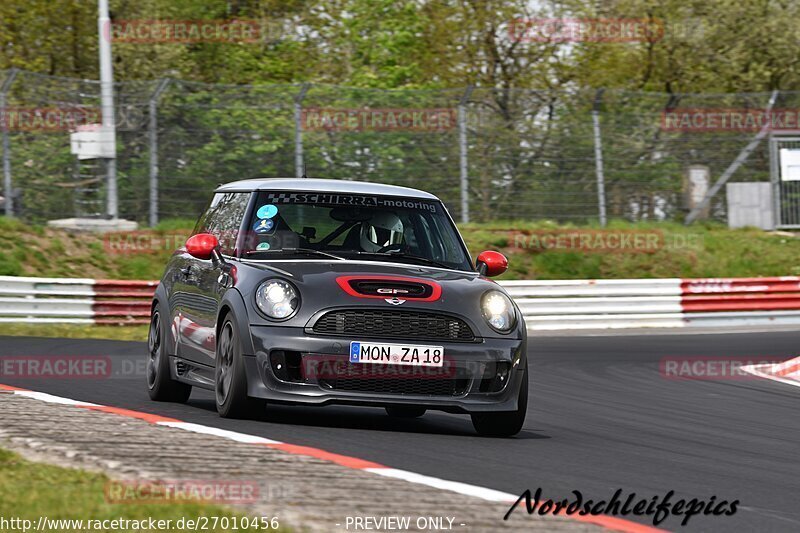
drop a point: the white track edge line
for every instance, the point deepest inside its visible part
(49, 398)
(466, 489)
(754, 369)
(217, 432)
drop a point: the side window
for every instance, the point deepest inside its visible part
(224, 218)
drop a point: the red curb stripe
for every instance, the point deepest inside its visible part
(788, 370)
(342, 460)
(615, 524)
(147, 417)
(9, 387)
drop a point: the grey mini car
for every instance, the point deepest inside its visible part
(318, 292)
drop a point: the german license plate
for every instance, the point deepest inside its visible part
(396, 354)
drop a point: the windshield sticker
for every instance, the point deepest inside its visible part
(262, 246)
(350, 199)
(263, 225)
(267, 211)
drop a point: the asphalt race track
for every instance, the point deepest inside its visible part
(602, 417)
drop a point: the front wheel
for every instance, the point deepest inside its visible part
(230, 380)
(160, 386)
(504, 423)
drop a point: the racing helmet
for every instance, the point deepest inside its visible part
(382, 229)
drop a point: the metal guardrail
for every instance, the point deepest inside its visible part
(673, 302)
(76, 301)
(546, 304)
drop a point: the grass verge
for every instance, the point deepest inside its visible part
(701, 250)
(30, 490)
(545, 250)
(75, 331)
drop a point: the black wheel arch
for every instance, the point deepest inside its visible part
(233, 303)
(160, 298)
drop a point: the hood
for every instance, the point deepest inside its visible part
(349, 284)
(298, 270)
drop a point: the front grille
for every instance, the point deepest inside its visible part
(420, 387)
(401, 289)
(393, 324)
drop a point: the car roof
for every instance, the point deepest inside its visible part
(322, 185)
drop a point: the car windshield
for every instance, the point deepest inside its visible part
(336, 226)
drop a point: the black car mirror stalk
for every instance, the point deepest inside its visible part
(216, 256)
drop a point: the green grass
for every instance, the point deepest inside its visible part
(29, 490)
(702, 250)
(29, 250)
(75, 331)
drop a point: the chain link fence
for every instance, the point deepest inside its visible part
(490, 154)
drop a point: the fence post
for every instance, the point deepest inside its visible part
(463, 162)
(299, 167)
(152, 133)
(598, 157)
(738, 162)
(7, 192)
(107, 107)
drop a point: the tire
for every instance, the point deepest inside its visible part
(504, 423)
(160, 385)
(230, 380)
(405, 411)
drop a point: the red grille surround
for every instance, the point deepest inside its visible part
(383, 287)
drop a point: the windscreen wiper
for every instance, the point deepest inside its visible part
(308, 251)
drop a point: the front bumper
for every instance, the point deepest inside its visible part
(472, 363)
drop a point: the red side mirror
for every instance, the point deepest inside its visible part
(492, 263)
(201, 245)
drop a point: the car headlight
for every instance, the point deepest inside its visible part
(277, 298)
(498, 311)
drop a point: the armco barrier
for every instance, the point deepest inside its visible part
(674, 302)
(76, 301)
(546, 305)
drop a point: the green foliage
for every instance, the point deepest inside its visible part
(706, 45)
(530, 129)
(709, 250)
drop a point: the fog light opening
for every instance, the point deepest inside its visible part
(495, 377)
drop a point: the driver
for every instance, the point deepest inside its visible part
(383, 229)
